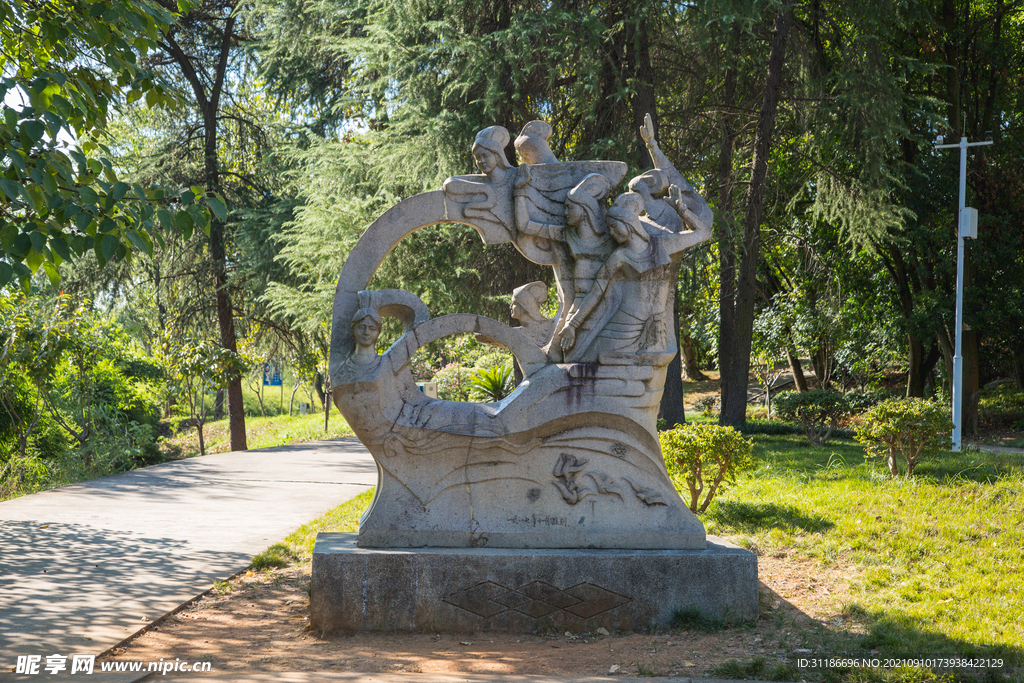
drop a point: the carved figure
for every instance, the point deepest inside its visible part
(583, 234)
(526, 303)
(578, 433)
(479, 195)
(532, 144)
(363, 363)
(684, 207)
(632, 282)
(489, 153)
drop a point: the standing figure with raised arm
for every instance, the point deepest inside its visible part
(584, 235)
(668, 208)
(634, 284)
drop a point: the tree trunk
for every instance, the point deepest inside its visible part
(225, 312)
(736, 372)
(724, 226)
(688, 356)
(208, 101)
(920, 364)
(672, 410)
(291, 398)
(218, 406)
(318, 384)
(1018, 368)
(202, 442)
(797, 369)
(644, 101)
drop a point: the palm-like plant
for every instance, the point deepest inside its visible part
(492, 384)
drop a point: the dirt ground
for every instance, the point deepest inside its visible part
(259, 622)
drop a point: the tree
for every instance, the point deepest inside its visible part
(196, 368)
(70, 61)
(200, 46)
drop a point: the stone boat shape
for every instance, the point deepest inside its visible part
(570, 459)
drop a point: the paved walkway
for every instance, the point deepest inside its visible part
(85, 566)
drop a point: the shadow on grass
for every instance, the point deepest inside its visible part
(751, 517)
(981, 467)
(857, 635)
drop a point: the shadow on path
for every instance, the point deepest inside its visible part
(79, 588)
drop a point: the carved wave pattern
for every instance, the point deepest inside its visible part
(536, 600)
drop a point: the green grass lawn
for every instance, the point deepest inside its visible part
(937, 560)
(939, 556)
(260, 432)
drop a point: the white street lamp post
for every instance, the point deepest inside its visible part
(967, 227)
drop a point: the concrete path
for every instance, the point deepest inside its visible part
(997, 449)
(85, 566)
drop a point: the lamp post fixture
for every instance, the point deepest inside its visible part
(967, 227)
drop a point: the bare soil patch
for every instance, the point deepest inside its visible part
(259, 622)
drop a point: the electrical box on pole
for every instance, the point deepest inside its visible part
(969, 223)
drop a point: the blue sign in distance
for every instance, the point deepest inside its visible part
(271, 375)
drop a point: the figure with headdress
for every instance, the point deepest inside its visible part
(585, 239)
(363, 364)
(479, 194)
(526, 303)
(634, 282)
(532, 144)
(669, 201)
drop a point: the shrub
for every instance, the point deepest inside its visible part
(861, 402)
(706, 405)
(909, 428)
(818, 412)
(453, 382)
(493, 359)
(492, 384)
(704, 458)
(1002, 407)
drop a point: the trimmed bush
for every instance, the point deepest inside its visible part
(909, 428)
(453, 382)
(817, 412)
(705, 459)
(861, 402)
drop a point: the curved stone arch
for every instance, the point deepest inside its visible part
(529, 356)
(396, 303)
(383, 235)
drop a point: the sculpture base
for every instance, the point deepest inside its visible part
(524, 591)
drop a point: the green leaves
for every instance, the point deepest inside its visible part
(910, 428)
(704, 458)
(59, 202)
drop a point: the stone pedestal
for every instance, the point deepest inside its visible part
(524, 591)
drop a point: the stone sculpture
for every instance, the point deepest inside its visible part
(570, 459)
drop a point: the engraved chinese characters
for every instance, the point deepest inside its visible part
(576, 440)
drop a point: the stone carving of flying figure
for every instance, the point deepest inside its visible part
(665, 190)
(634, 283)
(584, 236)
(479, 195)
